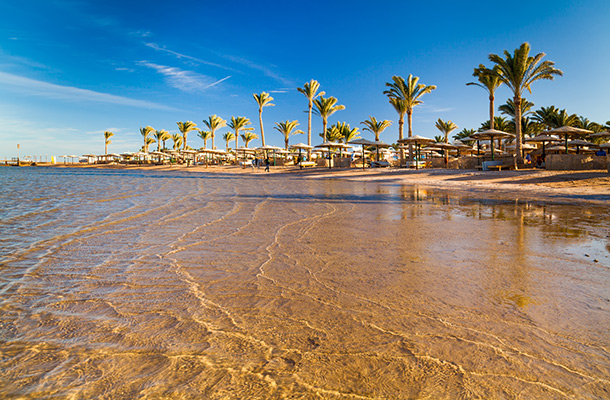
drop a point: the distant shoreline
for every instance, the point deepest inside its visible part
(551, 186)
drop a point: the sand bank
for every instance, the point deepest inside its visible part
(531, 184)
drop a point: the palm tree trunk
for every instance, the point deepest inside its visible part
(213, 134)
(184, 139)
(105, 148)
(324, 123)
(410, 126)
(519, 147)
(401, 125)
(491, 111)
(309, 130)
(236, 137)
(260, 119)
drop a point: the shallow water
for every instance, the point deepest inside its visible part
(142, 284)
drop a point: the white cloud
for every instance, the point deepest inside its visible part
(262, 68)
(50, 90)
(186, 81)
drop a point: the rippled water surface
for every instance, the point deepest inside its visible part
(142, 284)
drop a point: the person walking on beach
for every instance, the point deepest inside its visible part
(267, 163)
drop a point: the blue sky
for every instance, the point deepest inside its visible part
(71, 69)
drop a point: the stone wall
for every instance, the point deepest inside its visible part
(575, 162)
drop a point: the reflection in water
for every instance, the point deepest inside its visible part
(122, 284)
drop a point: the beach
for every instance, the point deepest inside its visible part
(228, 283)
(582, 186)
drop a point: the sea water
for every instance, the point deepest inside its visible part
(127, 284)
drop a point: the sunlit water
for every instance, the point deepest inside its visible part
(141, 284)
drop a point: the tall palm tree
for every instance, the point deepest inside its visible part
(286, 128)
(107, 141)
(446, 128)
(227, 137)
(310, 90)
(248, 136)
(177, 138)
(489, 81)
(263, 100)
(401, 108)
(372, 125)
(145, 132)
(161, 137)
(239, 124)
(406, 95)
(185, 128)
(518, 72)
(325, 107)
(410, 91)
(214, 122)
(205, 135)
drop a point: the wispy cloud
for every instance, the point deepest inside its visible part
(267, 71)
(186, 81)
(50, 90)
(155, 46)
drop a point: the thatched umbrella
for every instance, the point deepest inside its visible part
(491, 135)
(417, 141)
(569, 131)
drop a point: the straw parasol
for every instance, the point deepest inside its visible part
(579, 143)
(569, 131)
(417, 141)
(491, 135)
(363, 142)
(330, 145)
(543, 138)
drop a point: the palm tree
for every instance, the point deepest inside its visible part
(489, 81)
(214, 122)
(205, 135)
(161, 136)
(333, 134)
(372, 125)
(562, 118)
(325, 107)
(166, 136)
(263, 100)
(177, 138)
(347, 132)
(407, 95)
(463, 134)
(518, 72)
(584, 123)
(107, 141)
(286, 128)
(248, 136)
(185, 128)
(500, 123)
(227, 137)
(310, 90)
(446, 128)
(148, 142)
(545, 116)
(239, 124)
(145, 132)
(509, 108)
(438, 138)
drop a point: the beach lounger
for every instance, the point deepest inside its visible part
(379, 164)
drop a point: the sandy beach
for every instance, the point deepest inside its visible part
(532, 184)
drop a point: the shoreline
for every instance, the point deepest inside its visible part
(591, 186)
